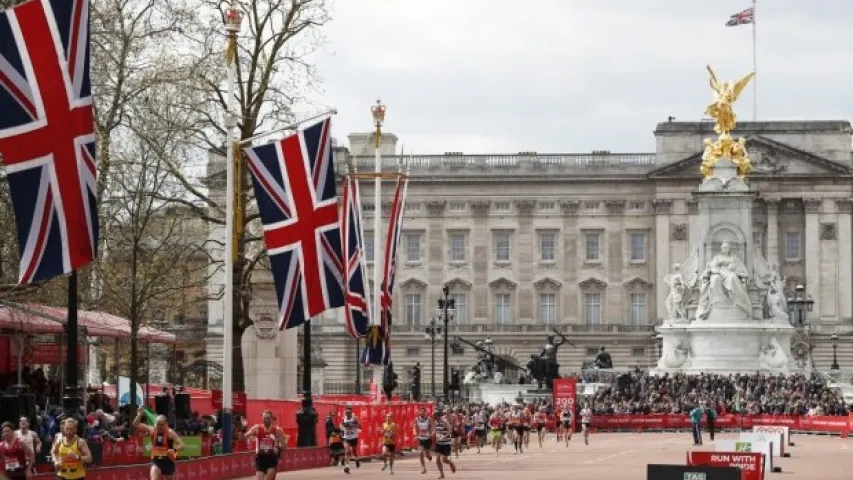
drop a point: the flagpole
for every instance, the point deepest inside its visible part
(233, 18)
(378, 112)
(754, 63)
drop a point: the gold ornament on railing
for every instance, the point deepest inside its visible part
(233, 20)
(726, 94)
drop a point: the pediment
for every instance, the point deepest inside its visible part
(503, 282)
(547, 282)
(459, 283)
(593, 282)
(769, 158)
(637, 283)
(413, 283)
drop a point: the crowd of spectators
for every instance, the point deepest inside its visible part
(754, 394)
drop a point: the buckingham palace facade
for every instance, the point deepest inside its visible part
(529, 242)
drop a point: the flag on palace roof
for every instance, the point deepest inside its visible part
(294, 183)
(742, 18)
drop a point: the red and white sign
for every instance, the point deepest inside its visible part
(238, 401)
(566, 396)
(784, 431)
(751, 465)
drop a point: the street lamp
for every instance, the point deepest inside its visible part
(834, 339)
(800, 305)
(446, 309)
(433, 330)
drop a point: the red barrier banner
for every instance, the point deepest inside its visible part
(841, 425)
(238, 401)
(566, 397)
(751, 465)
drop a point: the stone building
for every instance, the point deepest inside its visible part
(529, 242)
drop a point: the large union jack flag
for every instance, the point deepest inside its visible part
(294, 181)
(356, 308)
(47, 134)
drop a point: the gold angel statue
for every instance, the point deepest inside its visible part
(726, 95)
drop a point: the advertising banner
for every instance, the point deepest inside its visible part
(238, 401)
(775, 440)
(192, 446)
(751, 464)
(686, 472)
(740, 446)
(784, 431)
(566, 397)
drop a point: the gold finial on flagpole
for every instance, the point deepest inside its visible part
(378, 112)
(233, 20)
(726, 94)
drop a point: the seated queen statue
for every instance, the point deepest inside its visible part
(723, 284)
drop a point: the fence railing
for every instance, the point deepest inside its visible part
(517, 328)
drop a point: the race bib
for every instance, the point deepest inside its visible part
(159, 451)
(12, 465)
(389, 434)
(267, 444)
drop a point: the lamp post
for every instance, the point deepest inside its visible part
(446, 309)
(433, 330)
(834, 339)
(800, 305)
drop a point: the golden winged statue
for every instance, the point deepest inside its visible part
(721, 111)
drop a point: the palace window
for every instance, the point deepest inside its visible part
(638, 247)
(503, 307)
(413, 247)
(592, 308)
(592, 244)
(792, 246)
(546, 246)
(502, 246)
(457, 247)
(638, 308)
(548, 308)
(413, 309)
(461, 302)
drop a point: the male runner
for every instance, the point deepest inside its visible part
(496, 429)
(165, 445)
(586, 421)
(479, 419)
(526, 422)
(16, 456)
(443, 440)
(389, 442)
(351, 427)
(271, 442)
(516, 419)
(424, 431)
(541, 421)
(456, 421)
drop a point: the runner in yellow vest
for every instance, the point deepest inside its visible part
(389, 442)
(70, 453)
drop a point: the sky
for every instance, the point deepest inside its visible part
(572, 76)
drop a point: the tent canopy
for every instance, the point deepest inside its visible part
(41, 319)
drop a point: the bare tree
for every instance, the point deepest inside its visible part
(273, 72)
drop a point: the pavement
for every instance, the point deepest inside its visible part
(610, 456)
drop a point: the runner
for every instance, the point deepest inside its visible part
(541, 421)
(70, 453)
(455, 417)
(336, 446)
(424, 430)
(516, 419)
(270, 443)
(443, 440)
(480, 420)
(165, 445)
(586, 421)
(351, 427)
(496, 429)
(32, 439)
(526, 422)
(467, 428)
(566, 425)
(389, 441)
(16, 455)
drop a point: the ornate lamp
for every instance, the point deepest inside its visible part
(233, 19)
(834, 339)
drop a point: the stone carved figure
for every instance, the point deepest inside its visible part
(724, 284)
(676, 310)
(603, 359)
(775, 302)
(676, 355)
(771, 356)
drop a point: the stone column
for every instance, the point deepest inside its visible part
(480, 240)
(570, 260)
(812, 252)
(663, 208)
(845, 260)
(693, 237)
(615, 296)
(434, 250)
(525, 248)
(773, 231)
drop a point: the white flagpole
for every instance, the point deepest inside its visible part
(232, 28)
(754, 64)
(378, 112)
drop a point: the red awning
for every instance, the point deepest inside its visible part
(41, 319)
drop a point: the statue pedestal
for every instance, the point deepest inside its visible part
(725, 348)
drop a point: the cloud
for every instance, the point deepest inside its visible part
(498, 76)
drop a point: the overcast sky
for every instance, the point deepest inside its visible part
(572, 76)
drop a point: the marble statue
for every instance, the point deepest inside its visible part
(772, 356)
(723, 283)
(675, 356)
(777, 305)
(676, 309)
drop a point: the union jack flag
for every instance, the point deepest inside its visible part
(742, 18)
(47, 135)
(378, 348)
(294, 182)
(356, 308)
